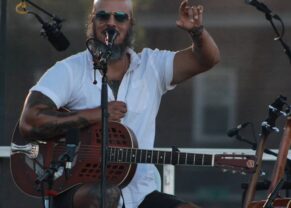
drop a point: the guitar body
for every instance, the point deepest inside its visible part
(278, 203)
(85, 167)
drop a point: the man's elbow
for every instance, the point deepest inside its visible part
(211, 62)
(25, 129)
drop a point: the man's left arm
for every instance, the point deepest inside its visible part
(203, 54)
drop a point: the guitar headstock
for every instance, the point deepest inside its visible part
(237, 163)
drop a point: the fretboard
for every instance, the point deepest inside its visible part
(133, 155)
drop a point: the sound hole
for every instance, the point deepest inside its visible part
(90, 170)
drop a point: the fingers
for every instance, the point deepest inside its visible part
(189, 16)
(116, 110)
(195, 12)
(183, 5)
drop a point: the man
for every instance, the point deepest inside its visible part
(137, 82)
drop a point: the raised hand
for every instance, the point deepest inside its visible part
(190, 17)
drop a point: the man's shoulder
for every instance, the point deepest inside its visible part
(156, 51)
(76, 58)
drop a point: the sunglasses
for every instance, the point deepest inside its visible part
(118, 16)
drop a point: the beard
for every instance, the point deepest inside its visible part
(118, 50)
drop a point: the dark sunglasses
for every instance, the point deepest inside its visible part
(118, 16)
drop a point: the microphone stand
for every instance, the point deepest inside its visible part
(270, 16)
(279, 37)
(56, 169)
(254, 145)
(270, 152)
(103, 64)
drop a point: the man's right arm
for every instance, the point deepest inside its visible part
(41, 119)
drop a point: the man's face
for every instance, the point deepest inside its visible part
(112, 14)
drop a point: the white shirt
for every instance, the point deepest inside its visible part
(69, 83)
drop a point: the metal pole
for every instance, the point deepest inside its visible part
(2, 66)
(3, 9)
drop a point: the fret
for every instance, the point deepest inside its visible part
(164, 158)
(143, 156)
(111, 155)
(194, 157)
(178, 158)
(202, 159)
(155, 157)
(115, 155)
(158, 157)
(208, 160)
(132, 157)
(175, 157)
(118, 155)
(168, 158)
(138, 156)
(186, 159)
(161, 159)
(190, 159)
(126, 159)
(149, 156)
(182, 158)
(198, 159)
(135, 155)
(123, 158)
(127, 156)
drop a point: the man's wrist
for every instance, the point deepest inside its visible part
(195, 34)
(196, 31)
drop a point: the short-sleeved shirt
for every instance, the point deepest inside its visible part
(69, 83)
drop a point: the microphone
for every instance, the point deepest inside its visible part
(234, 131)
(54, 35)
(72, 140)
(260, 6)
(110, 36)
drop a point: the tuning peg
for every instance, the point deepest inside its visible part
(243, 173)
(233, 171)
(224, 170)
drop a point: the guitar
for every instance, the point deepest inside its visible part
(29, 160)
(267, 127)
(278, 172)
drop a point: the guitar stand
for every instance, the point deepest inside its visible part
(264, 185)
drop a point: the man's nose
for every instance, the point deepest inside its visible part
(111, 21)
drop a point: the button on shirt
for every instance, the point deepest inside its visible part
(69, 83)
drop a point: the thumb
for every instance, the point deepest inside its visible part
(179, 23)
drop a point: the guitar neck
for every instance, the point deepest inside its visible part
(133, 155)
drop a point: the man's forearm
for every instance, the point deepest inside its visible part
(204, 47)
